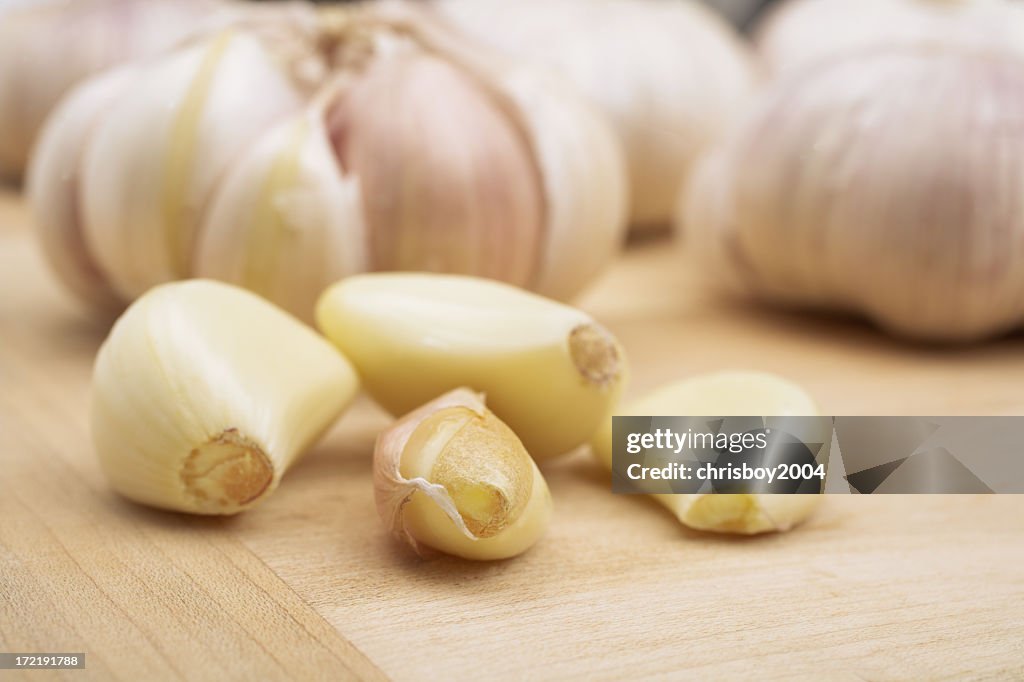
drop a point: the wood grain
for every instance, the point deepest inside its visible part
(307, 586)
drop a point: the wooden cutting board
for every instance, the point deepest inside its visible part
(308, 586)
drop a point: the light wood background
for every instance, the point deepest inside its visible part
(308, 586)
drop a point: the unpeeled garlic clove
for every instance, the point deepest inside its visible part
(150, 169)
(287, 222)
(549, 371)
(55, 191)
(204, 395)
(833, 194)
(450, 476)
(448, 181)
(728, 394)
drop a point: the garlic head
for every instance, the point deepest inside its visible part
(887, 184)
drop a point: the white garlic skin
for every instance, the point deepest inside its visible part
(54, 194)
(48, 47)
(888, 184)
(671, 76)
(425, 159)
(152, 154)
(286, 222)
(801, 33)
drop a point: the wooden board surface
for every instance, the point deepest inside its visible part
(307, 586)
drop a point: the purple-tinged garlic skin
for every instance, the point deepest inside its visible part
(887, 184)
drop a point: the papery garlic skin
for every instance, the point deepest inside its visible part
(671, 76)
(204, 395)
(451, 477)
(801, 33)
(48, 47)
(734, 393)
(287, 222)
(423, 156)
(54, 188)
(548, 370)
(448, 181)
(887, 184)
(151, 169)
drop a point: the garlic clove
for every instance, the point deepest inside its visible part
(741, 514)
(549, 371)
(151, 166)
(577, 155)
(286, 222)
(450, 476)
(583, 170)
(448, 183)
(580, 160)
(728, 394)
(204, 395)
(54, 189)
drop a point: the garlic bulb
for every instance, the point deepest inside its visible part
(889, 184)
(47, 47)
(134, 171)
(450, 476)
(803, 32)
(743, 394)
(671, 76)
(359, 139)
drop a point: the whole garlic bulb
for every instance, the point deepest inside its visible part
(293, 154)
(47, 47)
(888, 184)
(422, 156)
(671, 76)
(804, 32)
(134, 162)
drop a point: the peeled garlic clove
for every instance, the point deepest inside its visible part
(742, 394)
(834, 193)
(671, 76)
(204, 395)
(55, 193)
(287, 222)
(801, 33)
(450, 476)
(151, 165)
(49, 46)
(549, 371)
